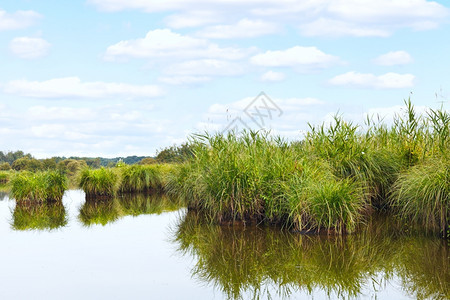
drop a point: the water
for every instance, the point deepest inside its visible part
(151, 248)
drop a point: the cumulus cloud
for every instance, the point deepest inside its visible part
(29, 48)
(245, 28)
(181, 80)
(18, 20)
(302, 58)
(367, 80)
(163, 43)
(394, 58)
(205, 67)
(273, 76)
(73, 87)
(288, 115)
(314, 18)
(195, 18)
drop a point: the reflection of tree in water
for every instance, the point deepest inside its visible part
(3, 195)
(110, 210)
(44, 216)
(255, 260)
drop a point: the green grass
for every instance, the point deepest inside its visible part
(4, 177)
(332, 180)
(38, 187)
(422, 194)
(97, 183)
(256, 178)
(140, 178)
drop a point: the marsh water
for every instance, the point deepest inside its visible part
(150, 247)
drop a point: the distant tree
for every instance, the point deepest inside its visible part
(93, 163)
(148, 161)
(4, 166)
(71, 167)
(27, 164)
(48, 164)
(175, 153)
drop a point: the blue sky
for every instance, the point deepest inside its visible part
(128, 77)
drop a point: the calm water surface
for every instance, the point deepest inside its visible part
(148, 247)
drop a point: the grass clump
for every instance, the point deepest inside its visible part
(140, 178)
(101, 182)
(254, 178)
(38, 187)
(422, 194)
(4, 177)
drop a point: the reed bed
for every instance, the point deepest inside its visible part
(254, 178)
(48, 186)
(99, 183)
(330, 181)
(141, 178)
(4, 177)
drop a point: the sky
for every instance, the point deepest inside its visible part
(129, 77)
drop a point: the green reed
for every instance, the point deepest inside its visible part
(141, 178)
(101, 182)
(38, 187)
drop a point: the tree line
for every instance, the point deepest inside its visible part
(20, 161)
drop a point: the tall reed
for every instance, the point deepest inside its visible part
(38, 187)
(422, 194)
(99, 183)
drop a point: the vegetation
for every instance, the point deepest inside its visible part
(38, 187)
(140, 178)
(330, 181)
(98, 183)
(4, 177)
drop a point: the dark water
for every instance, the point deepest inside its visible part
(148, 247)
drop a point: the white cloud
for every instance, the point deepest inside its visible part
(245, 28)
(73, 87)
(40, 113)
(313, 17)
(205, 67)
(18, 20)
(163, 43)
(336, 28)
(295, 113)
(394, 58)
(273, 76)
(302, 58)
(29, 48)
(193, 19)
(367, 80)
(180, 80)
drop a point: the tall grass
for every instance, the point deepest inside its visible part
(38, 187)
(331, 180)
(141, 178)
(422, 194)
(4, 177)
(99, 183)
(254, 178)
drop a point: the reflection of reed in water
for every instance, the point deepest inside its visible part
(110, 210)
(246, 260)
(42, 216)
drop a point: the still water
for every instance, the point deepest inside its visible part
(149, 247)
